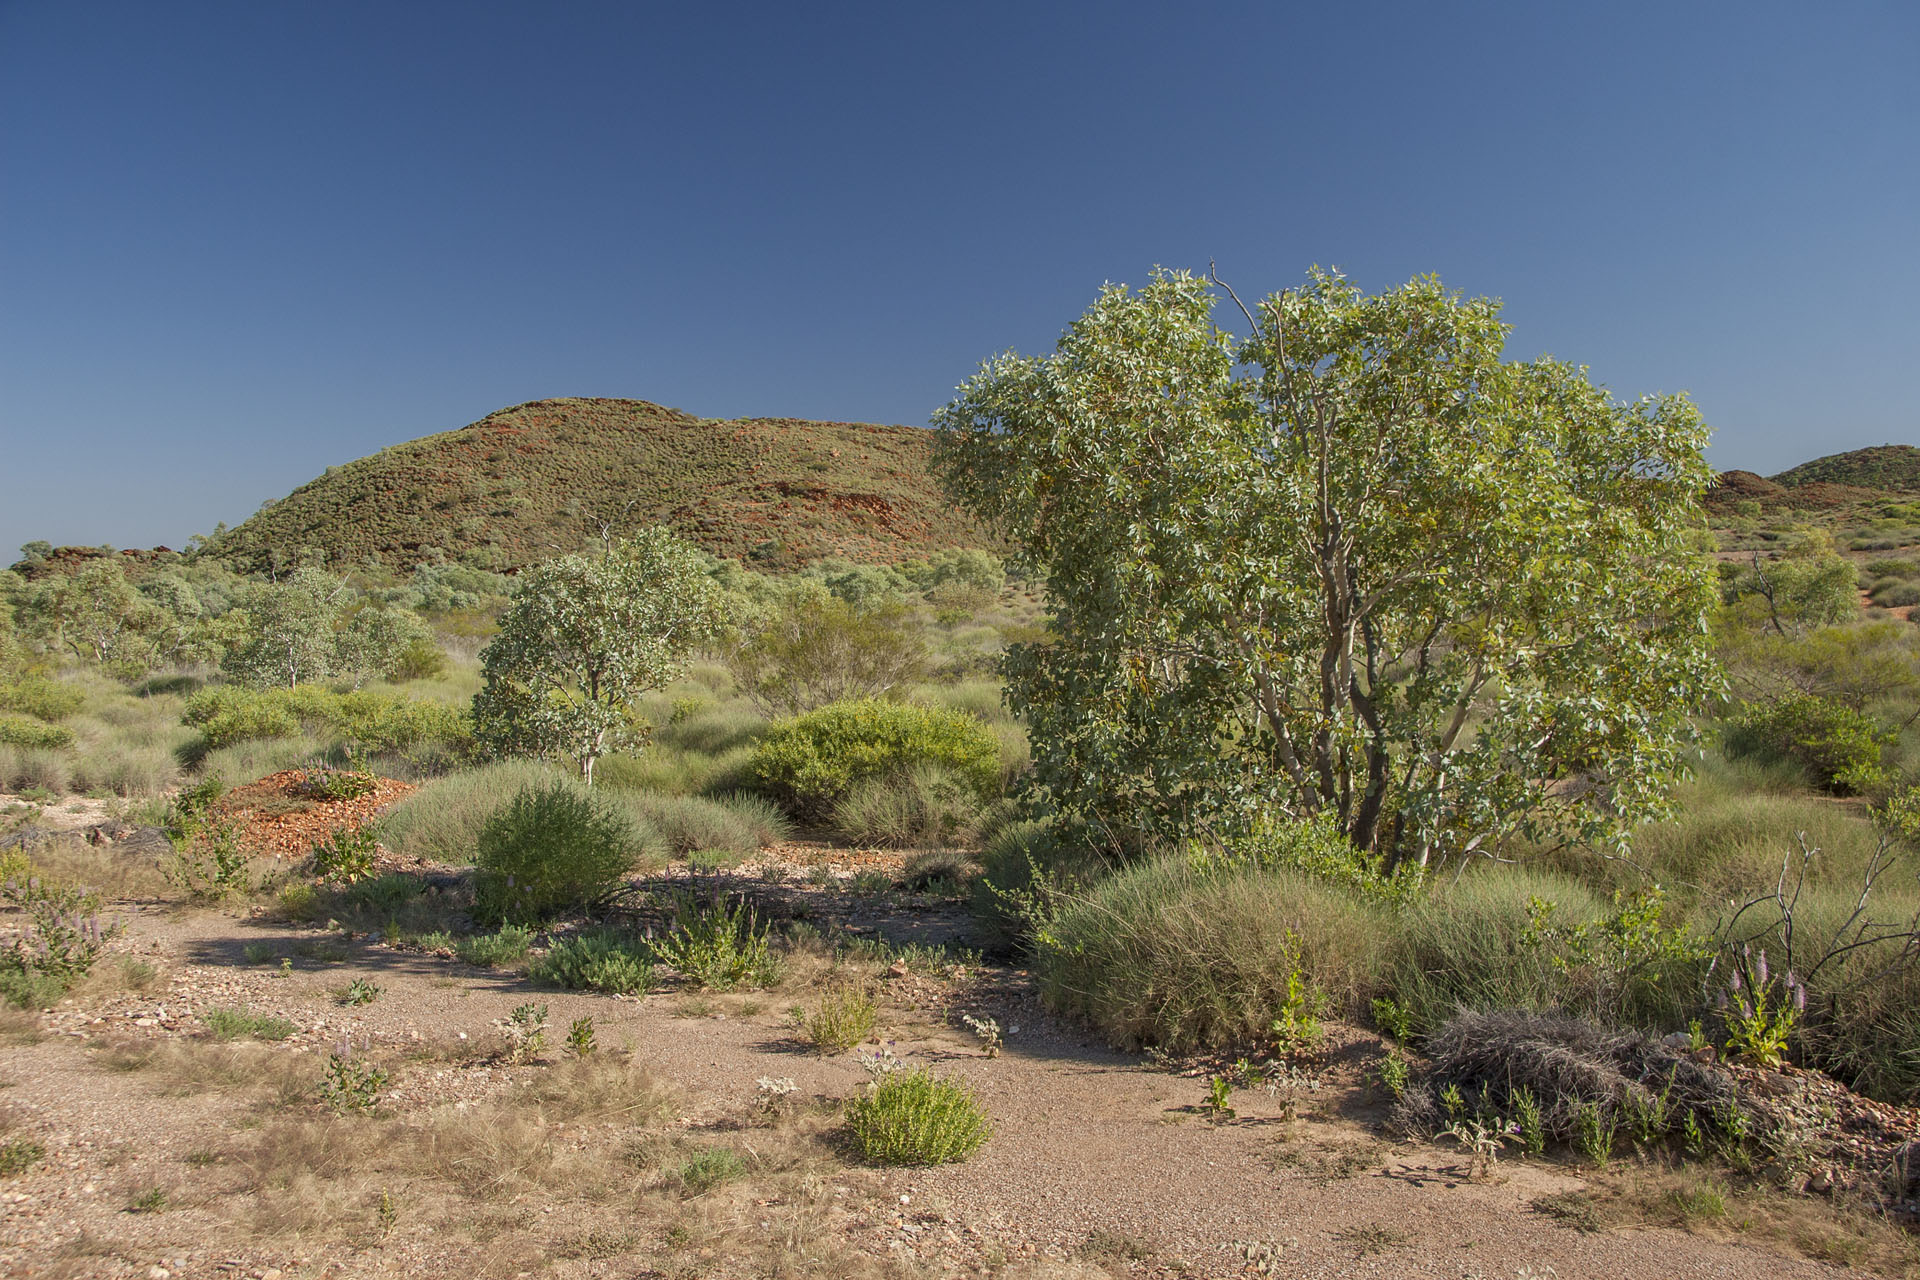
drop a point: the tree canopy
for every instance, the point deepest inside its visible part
(1354, 566)
(583, 637)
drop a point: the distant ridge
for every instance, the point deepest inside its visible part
(523, 483)
(1892, 467)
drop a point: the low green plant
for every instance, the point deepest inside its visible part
(1297, 1027)
(1392, 1019)
(1760, 1011)
(506, 945)
(17, 1155)
(704, 1170)
(1219, 1103)
(1529, 1124)
(350, 1082)
(1395, 1073)
(719, 946)
(844, 1017)
(345, 855)
(150, 1201)
(549, 850)
(525, 1030)
(580, 1037)
(1593, 1132)
(210, 863)
(605, 960)
(359, 991)
(912, 1117)
(336, 784)
(233, 1024)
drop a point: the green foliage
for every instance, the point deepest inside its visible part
(1357, 564)
(580, 1037)
(351, 1083)
(550, 849)
(704, 1170)
(913, 1117)
(810, 762)
(23, 731)
(690, 823)
(370, 721)
(226, 714)
(291, 633)
(210, 862)
(1028, 869)
(1190, 959)
(1392, 1019)
(844, 1017)
(1893, 466)
(719, 946)
(233, 1024)
(1840, 748)
(926, 805)
(336, 784)
(508, 945)
(605, 961)
(442, 820)
(345, 855)
(41, 698)
(813, 651)
(583, 638)
(506, 489)
(17, 1155)
(360, 991)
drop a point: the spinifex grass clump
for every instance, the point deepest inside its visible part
(912, 1116)
(719, 946)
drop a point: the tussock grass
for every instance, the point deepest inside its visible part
(442, 820)
(1164, 954)
(686, 823)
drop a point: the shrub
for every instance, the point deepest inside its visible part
(226, 714)
(845, 1017)
(704, 1170)
(1188, 958)
(41, 698)
(603, 961)
(719, 946)
(335, 784)
(441, 821)
(1027, 868)
(550, 849)
(345, 855)
(23, 731)
(1840, 748)
(491, 950)
(923, 805)
(913, 1117)
(808, 763)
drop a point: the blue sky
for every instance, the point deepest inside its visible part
(240, 242)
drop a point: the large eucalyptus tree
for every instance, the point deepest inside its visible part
(1354, 567)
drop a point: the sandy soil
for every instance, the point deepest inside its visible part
(1101, 1164)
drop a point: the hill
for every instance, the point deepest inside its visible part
(511, 488)
(1892, 467)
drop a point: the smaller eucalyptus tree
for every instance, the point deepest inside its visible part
(584, 637)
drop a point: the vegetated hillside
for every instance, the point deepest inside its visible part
(1892, 467)
(509, 489)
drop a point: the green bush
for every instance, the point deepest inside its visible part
(41, 698)
(913, 1117)
(845, 1017)
(492, 950)
(226, 714)
(345, 855)
(1026, 868)
(605, 960)
(23, 731)
(231, 1024)
(549, 850)
(1840, 748)
(1189, 958)
(809, 762)
(924, 805)
(719, 946)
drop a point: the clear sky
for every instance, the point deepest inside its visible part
(240, 242)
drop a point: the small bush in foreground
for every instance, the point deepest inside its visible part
(914, 1117)
(845, 1017)
(549, 850)
(345, 855)
(719, 947)
(605, 961)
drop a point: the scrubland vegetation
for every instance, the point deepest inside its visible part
(1500, 748)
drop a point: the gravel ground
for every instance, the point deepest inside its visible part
(1100, 1165)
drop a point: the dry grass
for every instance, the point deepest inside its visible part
(116, 875)
(1841, 1229)
(183, 1067)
